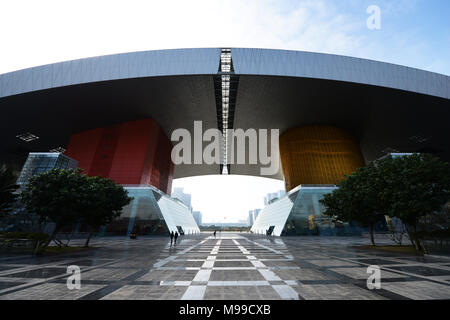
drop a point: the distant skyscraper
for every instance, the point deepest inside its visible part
(183, 197)
(270, 197)
(197, 217)
(252, 215)
(256, 213)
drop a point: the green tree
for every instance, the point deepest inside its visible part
(105, 201)
(357, 199)
(406, 187)
(66, 197)
(8, 188)
(58, 196)
(415, 186)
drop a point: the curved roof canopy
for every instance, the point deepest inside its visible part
(386, 107)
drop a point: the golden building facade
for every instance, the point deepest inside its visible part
(318, 155)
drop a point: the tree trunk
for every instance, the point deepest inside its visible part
(87, 240)
(55, 231)
(36, 248)
(372, 240)
(417, 244)
(413, 243)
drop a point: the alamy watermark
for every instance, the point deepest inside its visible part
(374, 20)
(374, 280)
(74, 280)
(191, 150)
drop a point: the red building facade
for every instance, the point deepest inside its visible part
(135, 152)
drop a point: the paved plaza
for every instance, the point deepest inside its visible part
(232, 266)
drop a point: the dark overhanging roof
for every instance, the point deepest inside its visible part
(383, 105)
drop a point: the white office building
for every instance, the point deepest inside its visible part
(178, 193)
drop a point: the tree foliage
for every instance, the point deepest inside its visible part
(8, 188)
(406, 187)
(68, 196)
(57, 195)
(105, 201)
(357, 199)
(415, 186)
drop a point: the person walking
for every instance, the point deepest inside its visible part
(215, 233)
(171, 237)
(176, 236)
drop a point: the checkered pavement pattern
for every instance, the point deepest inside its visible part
(231, 266)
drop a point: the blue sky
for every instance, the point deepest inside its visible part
(414, 33)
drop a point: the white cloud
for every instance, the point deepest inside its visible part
(40, 32)
(47, 31)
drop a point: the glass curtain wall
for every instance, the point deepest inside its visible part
(152, 212)
(41, 162)
(300, 213)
